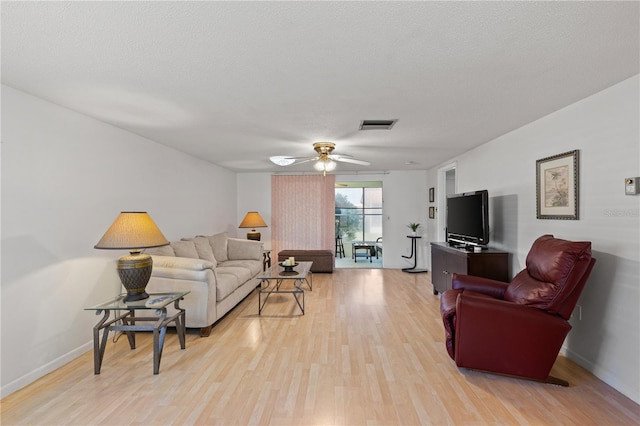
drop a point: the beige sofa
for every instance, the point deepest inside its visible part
(218, 271)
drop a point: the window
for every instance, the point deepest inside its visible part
(359, 211)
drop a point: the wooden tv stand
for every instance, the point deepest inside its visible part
(447, 260)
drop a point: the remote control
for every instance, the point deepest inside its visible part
(156, 301)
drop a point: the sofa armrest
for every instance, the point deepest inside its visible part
(200, 303)
(493, 288)
(171, 274)
(181, 263)
(182, 274)
(239, 249)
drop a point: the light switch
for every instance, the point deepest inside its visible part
(631, 186)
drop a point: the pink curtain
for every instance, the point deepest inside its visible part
(302, 213)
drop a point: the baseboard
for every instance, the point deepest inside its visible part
(34, 375)
(603, 374)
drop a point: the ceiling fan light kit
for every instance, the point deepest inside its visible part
(324, 162)
(325, 166)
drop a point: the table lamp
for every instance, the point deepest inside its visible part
(253, 220)
(133, 231)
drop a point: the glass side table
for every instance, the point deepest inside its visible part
(266, 259)
(128, 321)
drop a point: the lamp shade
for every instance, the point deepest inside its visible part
(132, 230)
(252, 220)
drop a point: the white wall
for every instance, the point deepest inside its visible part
(254, 194)
(65, 178)
(605, 129)
(404, 197)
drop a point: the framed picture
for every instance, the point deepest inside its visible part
(432, 195)
(557, 186)
(432, 212)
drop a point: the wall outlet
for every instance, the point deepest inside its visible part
(632, 186)
(577, 313)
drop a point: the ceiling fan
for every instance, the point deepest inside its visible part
(325, 160)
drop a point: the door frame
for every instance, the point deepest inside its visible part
(441, 204)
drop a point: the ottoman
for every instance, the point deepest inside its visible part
(322, 259)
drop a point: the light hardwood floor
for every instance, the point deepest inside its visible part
(369, 350)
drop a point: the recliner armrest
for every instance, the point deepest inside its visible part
(493, 288)
(500, 312)
(500, 336)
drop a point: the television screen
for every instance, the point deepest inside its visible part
(468, 218)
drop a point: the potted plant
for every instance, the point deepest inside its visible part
(414, 227)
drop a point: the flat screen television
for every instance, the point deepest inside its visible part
(468, 218)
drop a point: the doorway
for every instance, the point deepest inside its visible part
(358, 216)
(447, 185)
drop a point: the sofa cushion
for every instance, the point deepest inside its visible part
(243, 274)
(254, 266)
(219, 245)
(185, 249)
(238, 249)
(225, 284)
(161, 251)
(203, 248)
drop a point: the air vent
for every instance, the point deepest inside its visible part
(377, 124)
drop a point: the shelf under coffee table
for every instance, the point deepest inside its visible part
(278, 280)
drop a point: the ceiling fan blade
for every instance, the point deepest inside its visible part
(326, 158)
(339, 156)
(307, 159)
(353, 161)
(282, 160)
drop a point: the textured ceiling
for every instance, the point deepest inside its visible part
(237, 82)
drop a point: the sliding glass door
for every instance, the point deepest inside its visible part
(359, 213)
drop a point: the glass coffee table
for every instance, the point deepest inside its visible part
(285, 279)
(363, 245)
(127, 322)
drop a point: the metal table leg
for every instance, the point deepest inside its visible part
(159, 329)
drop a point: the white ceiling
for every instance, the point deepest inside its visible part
(237, 82)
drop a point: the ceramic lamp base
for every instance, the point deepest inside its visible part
(253, 235)
(134, 271)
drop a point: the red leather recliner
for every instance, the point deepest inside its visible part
(517, 328)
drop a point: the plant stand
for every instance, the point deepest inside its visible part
(414, 256)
